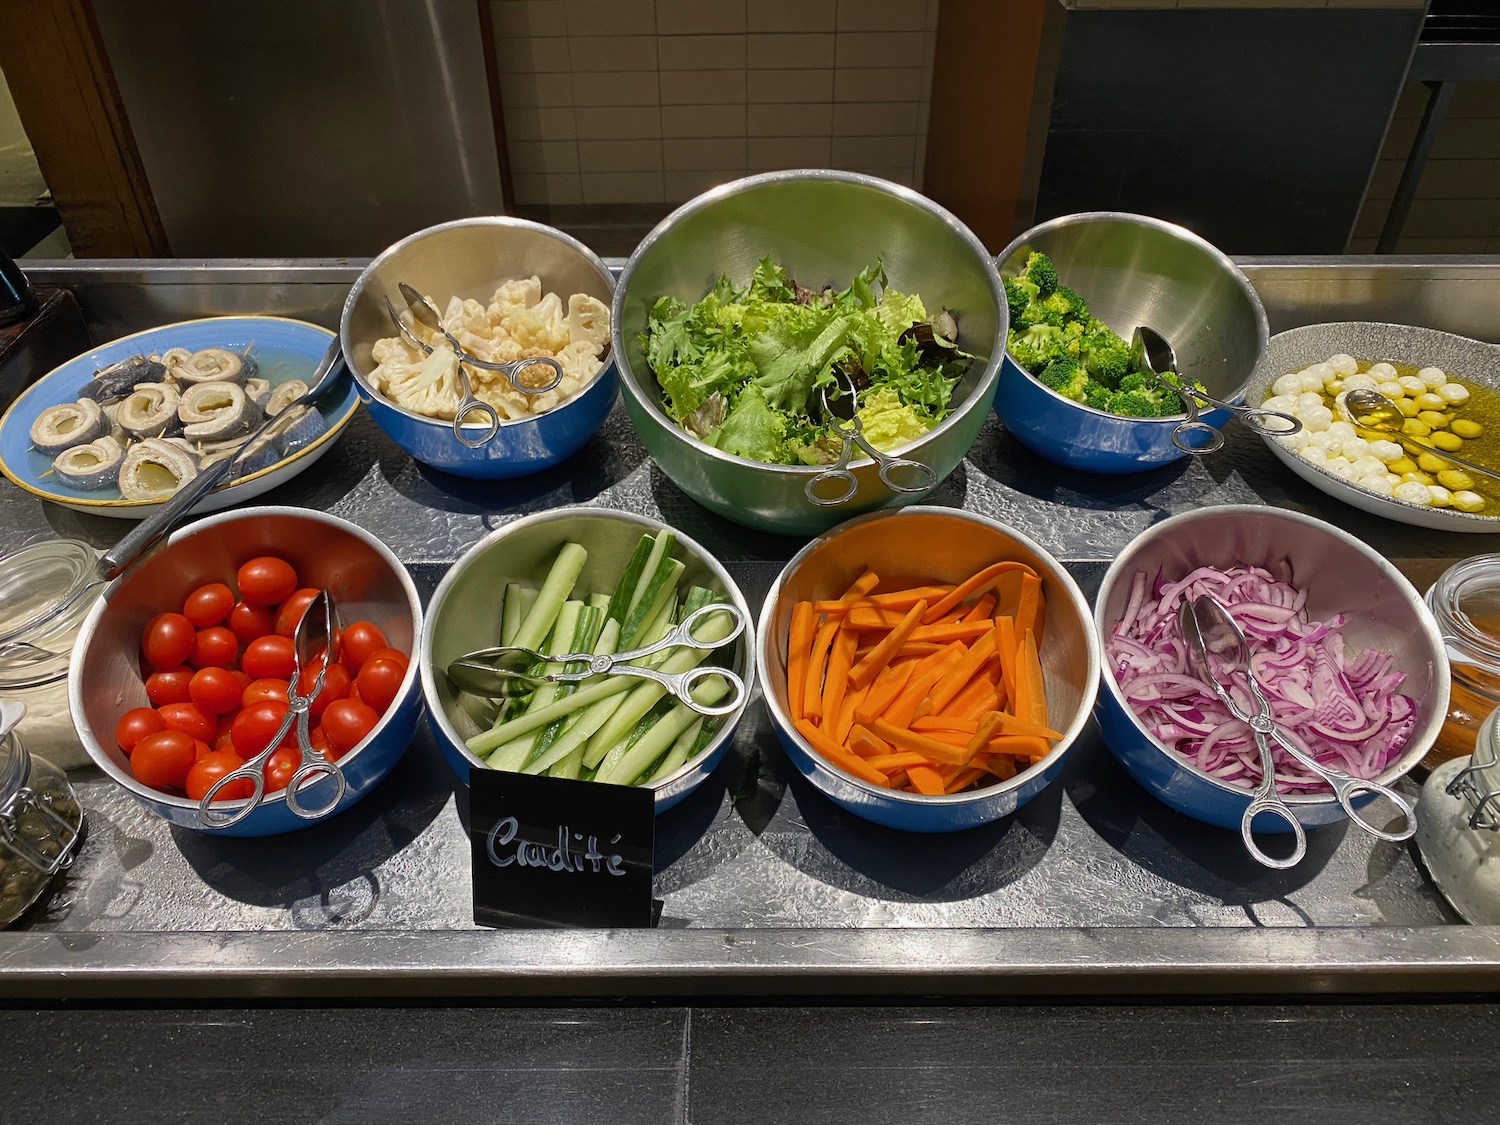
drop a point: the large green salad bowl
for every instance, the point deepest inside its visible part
(823, 227)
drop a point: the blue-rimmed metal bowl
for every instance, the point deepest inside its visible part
(1340, 575)
(367, 582)
(464, 615)
(285, 349)
(1134, 270)
(471, 258)
(936, 545)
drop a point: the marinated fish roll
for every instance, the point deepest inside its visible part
(68, 424)
(91, 466)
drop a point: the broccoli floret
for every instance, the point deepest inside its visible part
(1105, 361)
(1067, 377)
(1135, 381)
(1097, 395)
(1136, 404)
(1019, 292)
(1042, 273)
(1066, 303)
(1037, 312)
(1037, 346)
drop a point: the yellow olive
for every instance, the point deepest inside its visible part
(1401, 465)
(1415, 478)
(1431, 463)
(1429, 401)
(1407, 407)
(1434, 418)
(1466, 429)
(1446, 441)
(1455, 479)
(1415, 427)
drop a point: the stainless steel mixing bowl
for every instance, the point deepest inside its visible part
(824, 227)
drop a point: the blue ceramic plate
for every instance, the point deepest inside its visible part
(285, 349)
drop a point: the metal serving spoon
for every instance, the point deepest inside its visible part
(427, 316)
(1214, 631)
(505, 670)
(1368, 409)
(1151, 352)
(899, 474)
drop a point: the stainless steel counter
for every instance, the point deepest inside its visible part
(766, 888)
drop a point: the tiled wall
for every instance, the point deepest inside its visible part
(1457, 206)
(654, 101)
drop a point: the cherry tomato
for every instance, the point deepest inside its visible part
(208, 769)
(358, 642)
(187, 718)
(388, 654)
(266, 580)
(335, 686)
(254, 726)
(215, 691)
(208, 605)
(380, 682)
(269, 656)
(354, 693)
(170, 685)
(167, 640)
(215, 648)
(279, 768)
(240, 678)
(162, 760)
(291, 610)
(224, 741)
(319, 742)
(346, 722)
(135, 725)
(266, 688)
(249, 622)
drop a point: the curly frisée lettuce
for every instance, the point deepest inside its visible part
(743, 368)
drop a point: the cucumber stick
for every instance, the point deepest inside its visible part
(554, 592)
(510, 757)
(659, 739)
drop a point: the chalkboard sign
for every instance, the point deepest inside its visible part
(553, 852)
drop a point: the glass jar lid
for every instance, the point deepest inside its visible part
(1466, 603)
(43, 597)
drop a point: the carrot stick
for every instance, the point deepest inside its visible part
(975, 584)
(978, 706)
(954, 631)
(845, 722)
(860, 587)
(870, 619)
(961, 673)
(1003, 766)
(836, 682)
(887, 686)
(1029, 606)
(1005, 644)
(904, 708)
(989, 723)
(976, 691)
(812, 692)
(920, 744)
(798, 651)
(865, 744)
(896, 599)
(1014, 724)
(1020, 746)
(929, 723)
(918, 649)
(887, 762)
(850, 763)
(980, 609)
(968, 777)
(925, 780)
(871, 666)
(1029, 671)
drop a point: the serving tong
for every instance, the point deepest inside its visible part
(426, 314)
(1152, 353)
(1211, 631)
(506, 671)
(899, 474)
(311, 642)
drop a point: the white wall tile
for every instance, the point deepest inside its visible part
(722, 154)
(789, 85)
(616, 122)
(792, 15)
(533, 123)
(619, 156)
(622, 187)
(767, 154)
(870, 152)
(524, 90)
(700, 17)
(875, 119)
(880, 84)
(702, 87)
(791, 51)
(682, 186)
(812, 120)
(543, 156)
(612, 52)
(703, 121)
(528, 17)
(876, 48)
(932, 15)
(530, 56)
(615, 87)
(700, 52)
(882, 15)
(611, 17)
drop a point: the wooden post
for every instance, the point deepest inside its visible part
(65, 92)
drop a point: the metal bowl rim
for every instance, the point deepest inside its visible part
(504, 221)
(1223, 260)
(983, 389)
(208, 523)
(1417, 745)
(1070, 736)
(438, 714)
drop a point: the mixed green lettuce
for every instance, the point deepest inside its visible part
(744, 369)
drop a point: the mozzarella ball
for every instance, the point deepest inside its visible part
(1382, 371)
(1391, 389)
(1453, 393)
(1366, 466)
(1412, 385)
(1284, 403)
(1342, 430)
(1432, 376)
(1290, 384)
(1317, 419)
(1387, 451)
(1312, 455)
(1438, 496)
(1380, 485)
(1341, 467)
(1360, 380)
(1466, 501)
(1413, 493)
(1429, 401)
(1343, 364)
(1307, 400)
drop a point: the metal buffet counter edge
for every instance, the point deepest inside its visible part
(766, 889)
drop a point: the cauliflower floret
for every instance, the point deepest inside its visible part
(588, 319)
(429, 387)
